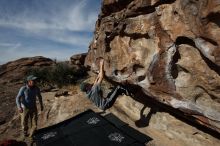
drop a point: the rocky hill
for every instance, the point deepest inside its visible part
(169, 48)
(16, 70)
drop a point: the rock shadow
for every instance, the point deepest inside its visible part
(156, 106)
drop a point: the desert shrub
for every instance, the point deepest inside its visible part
(60, 74)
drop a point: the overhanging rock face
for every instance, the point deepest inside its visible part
(170, 48)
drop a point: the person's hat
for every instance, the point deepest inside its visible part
(31, 78)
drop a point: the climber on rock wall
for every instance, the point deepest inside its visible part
(94, 92)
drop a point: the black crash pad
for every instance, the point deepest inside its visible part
(90, 129)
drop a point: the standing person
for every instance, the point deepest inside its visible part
(94, 92)
(26, 104)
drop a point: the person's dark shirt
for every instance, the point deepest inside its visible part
(27, 97)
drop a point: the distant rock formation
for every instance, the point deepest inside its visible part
(16, 70)
(78, 59)
(170, 48)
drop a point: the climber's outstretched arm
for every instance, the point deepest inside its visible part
(101, 73)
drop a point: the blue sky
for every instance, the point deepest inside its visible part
(51, 28)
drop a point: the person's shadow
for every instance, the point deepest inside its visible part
(115, 92)
(148, 102)
(137, 94)
(145, 120)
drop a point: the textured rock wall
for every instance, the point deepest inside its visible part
(170, 48)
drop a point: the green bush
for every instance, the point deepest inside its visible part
(60, 74)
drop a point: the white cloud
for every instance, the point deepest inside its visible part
(76, 40)
(74, 18)
(56, 27)
(78, 19)
(69, 24)
(10, 45)
(12, 53)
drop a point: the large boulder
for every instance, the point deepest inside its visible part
(78, 59)
(169, 48)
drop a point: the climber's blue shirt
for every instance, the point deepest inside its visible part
(27, 97)
(95, 95)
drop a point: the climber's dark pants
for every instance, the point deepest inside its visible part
(111, 97)
(95, 95)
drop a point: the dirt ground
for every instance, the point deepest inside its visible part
(164, 128)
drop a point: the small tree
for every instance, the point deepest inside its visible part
(61, 74)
